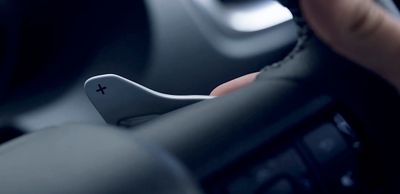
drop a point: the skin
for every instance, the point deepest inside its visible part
(357, 29)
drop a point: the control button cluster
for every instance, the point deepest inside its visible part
(333, 148)
(321, 160)
(284, 173)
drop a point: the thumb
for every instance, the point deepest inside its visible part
(361, 31)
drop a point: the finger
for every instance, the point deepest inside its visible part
(234, 84)
(359, 30)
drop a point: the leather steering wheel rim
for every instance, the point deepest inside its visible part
(310, 71)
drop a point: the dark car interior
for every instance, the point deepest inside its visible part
(113, 97)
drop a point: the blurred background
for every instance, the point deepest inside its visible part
(49, 48)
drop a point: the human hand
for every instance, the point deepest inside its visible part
(357, 29)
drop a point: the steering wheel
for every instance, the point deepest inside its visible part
(312, 123)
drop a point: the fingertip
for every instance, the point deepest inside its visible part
(234, 85)
(219, 91)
